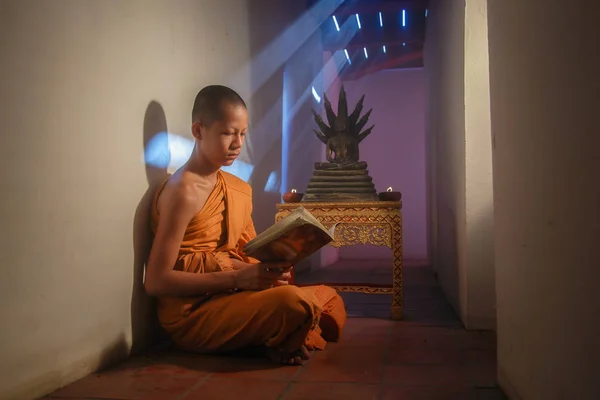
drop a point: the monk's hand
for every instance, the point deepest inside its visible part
(263, 276)
(277, 267)
(284, 268)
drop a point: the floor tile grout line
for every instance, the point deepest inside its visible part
(285, 391)
(291, 381)
(384, 360)
(194, 387)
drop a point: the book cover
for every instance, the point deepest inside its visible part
(291, 239)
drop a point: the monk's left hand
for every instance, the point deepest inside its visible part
(287, 271)
(286, 280)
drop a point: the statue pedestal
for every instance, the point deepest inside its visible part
(339, 182)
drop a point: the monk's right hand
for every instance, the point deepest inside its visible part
(263, 276)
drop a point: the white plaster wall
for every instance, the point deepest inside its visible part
(445, 70)
(544, 98)
(460, 166)
(479, 194)
(84, 85)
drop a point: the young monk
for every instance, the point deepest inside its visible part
(211, 296)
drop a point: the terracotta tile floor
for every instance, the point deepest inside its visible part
(427, 356)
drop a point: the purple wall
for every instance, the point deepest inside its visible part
(395, 151)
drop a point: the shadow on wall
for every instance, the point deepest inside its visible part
(115, 352)
(293, 66)
(145, 327)
(263, 99)
(265, 114)
(480, 272)
(465, 266)
(448, 269)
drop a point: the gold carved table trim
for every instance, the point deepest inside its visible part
(373, 222)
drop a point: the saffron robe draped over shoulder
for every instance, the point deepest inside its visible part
(285, 317)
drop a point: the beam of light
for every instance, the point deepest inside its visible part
(380, 19)
(403, 17)
(323, 79)
(426, 13)
(292, 101)
(358, 21)
(403, 44)
(157, 152)
(278, 51)
(333, 67)
(255, 72)
(337, 26)
(290, 107)
(272, 184)
(384, 50)
(170, 151)
(260, 136)
(286, 119)
(299, 142)
(289, 111)
(316, 95)
(366, 54)
(241, 169)
(167, 150)
(262, 131)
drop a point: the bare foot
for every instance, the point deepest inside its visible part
(303, 353)
(294, 358)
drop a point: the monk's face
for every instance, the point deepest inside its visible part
(221, 142)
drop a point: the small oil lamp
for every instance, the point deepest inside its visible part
(390, 195)
(292, 196)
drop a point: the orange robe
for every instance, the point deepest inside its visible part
(284, 317)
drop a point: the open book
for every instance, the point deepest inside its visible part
(291, 239)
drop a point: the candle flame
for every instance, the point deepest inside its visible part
(293, 190)
(389, 189)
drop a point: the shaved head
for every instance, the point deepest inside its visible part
(208, 106)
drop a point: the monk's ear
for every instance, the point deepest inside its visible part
(197, 130)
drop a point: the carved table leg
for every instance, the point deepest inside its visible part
(397, 295)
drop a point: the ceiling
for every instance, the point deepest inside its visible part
(375, 35)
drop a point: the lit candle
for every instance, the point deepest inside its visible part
(390, 195)
(293, 196)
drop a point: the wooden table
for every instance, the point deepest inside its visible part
(374, 222)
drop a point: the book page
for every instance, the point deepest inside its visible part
(290, 239)
(309, 217)
(331, 230)
(280, 227)
(297, 217)
(292, 246)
